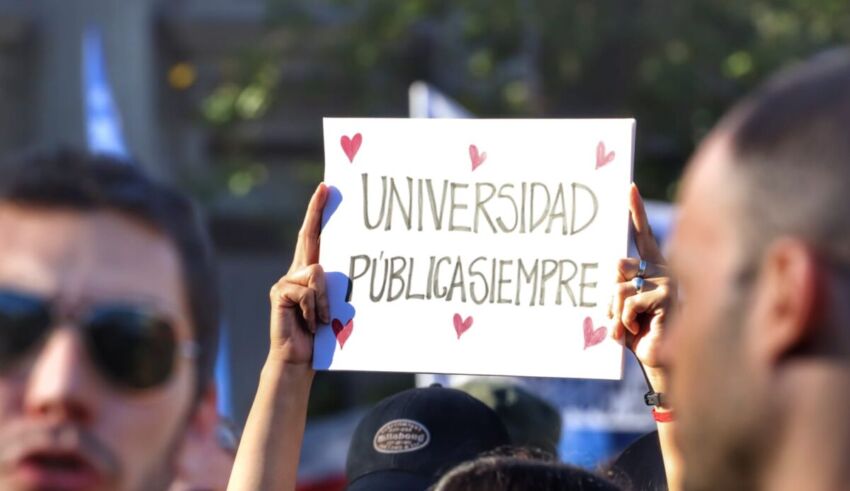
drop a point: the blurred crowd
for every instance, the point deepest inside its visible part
(109, 318)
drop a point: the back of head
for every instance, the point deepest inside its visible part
(409, 439)
(790, 146)
(530, 420)
(76, 181)
(511, 474)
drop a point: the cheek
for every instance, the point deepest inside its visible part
(704, 292)
(12, 392)
(11, 396)
(151, 418)
(143, 430)
(692, 325)
(692, 345)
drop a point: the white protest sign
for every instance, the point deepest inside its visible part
(474, 246)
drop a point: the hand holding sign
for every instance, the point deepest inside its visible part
(641, 316)
(299, 299)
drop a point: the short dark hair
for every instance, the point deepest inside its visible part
(509, 474)
(68, 179)
(790, 142)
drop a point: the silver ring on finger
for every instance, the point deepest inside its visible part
(641, 272)
(638, 283)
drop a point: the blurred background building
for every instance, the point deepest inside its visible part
(225, 98)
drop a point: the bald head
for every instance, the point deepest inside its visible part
(760, 249)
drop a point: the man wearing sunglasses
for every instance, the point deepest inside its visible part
(108, 322)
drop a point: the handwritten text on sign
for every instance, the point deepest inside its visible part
(474, 246)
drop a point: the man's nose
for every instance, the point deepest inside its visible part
(62, 383)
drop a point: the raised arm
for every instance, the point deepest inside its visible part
(268, 454)
(641, 316)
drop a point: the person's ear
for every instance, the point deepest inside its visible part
(204, 419)
(201, 424)
(786, 300)
(201, 462)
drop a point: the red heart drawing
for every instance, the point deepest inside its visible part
(592, 336)
(476, 158)
(351, 145)
(342, 332)
(462, 325)
(603, 158)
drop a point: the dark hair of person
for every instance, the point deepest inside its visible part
(640, 466)
(515, 474)
(522, 452)
(67, 179)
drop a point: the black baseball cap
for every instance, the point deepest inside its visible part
(409, 439)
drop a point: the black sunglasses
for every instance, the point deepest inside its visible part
(131, 346)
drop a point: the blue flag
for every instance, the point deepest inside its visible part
(103, 122)
(222, 373)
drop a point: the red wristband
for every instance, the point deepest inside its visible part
(662, 416)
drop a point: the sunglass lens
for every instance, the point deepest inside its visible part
(23, 321)
(134, 349)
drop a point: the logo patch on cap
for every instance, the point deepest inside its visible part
(401, 436)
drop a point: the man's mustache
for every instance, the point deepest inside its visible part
(18, 441)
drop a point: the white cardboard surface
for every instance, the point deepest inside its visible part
(445, 195)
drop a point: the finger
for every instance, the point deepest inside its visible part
(622, 292)
(287, 295)
(307, 247)
(640, 304)
(645, 242)
(313, 276)
(625, 291)
(627, 269)
(307, 303)
(630, 343)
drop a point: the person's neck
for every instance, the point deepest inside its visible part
(814, 433)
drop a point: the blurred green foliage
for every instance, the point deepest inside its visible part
(673, 65)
